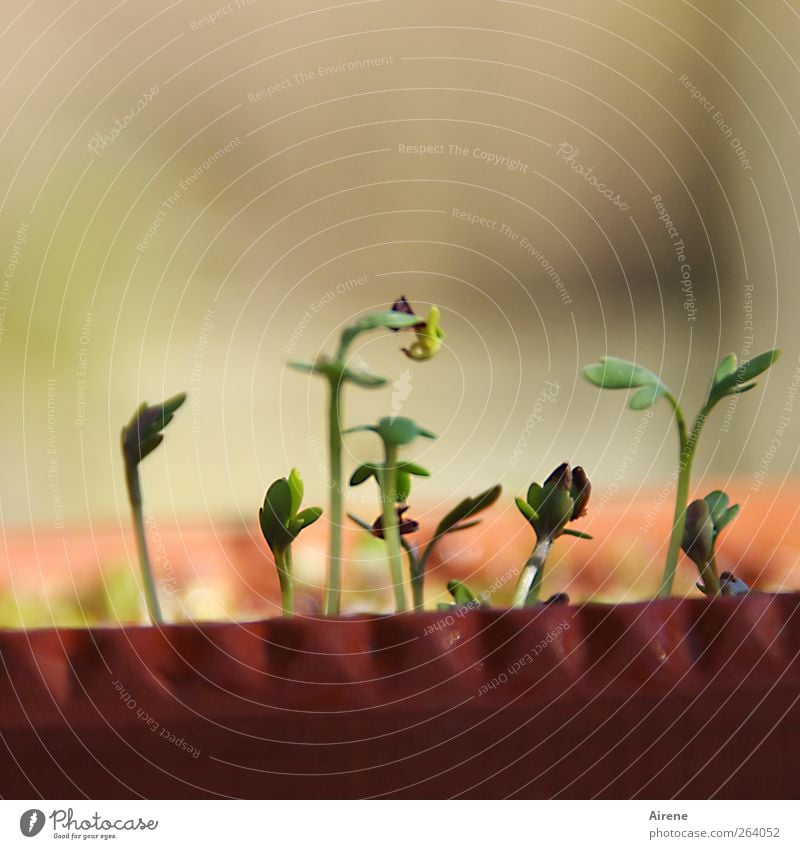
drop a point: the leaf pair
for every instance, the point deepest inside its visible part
(280, 518)
(730, 378)
(616, 373)
(395, 430)
(705, 518)
(340, 373)
(403, 473)
(142, 434)
(462, 596)
(458, 518)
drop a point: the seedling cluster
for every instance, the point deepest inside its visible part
(549, 508)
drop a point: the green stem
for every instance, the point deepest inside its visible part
(391, 530)
(710, 577)
(417, 573)
(530, 579)
(334, 591)
(135, 498)
(283, 561)
(688, 446)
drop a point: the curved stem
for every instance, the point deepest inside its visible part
(334, 590)
(135, 498)
(688, 444)
(530, 579)
(710, 577)
(391, 531)
(283, 562)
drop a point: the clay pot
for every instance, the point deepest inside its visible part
(678, 698)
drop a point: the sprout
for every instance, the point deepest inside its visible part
(394, 483)
(336, 371)
(729, 379)
(548, 509)
(140, 437)
(281, 521)
(705, 518)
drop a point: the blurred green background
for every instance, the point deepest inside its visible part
(194, 193)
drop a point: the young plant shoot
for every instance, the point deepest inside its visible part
(394, 484)
(142, 435)
(458, 519)
(705, 518)
(281, 520)
(336, 371)
(729, 379)
(548, 509)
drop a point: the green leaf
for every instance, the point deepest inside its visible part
(304, 519)
(413, 469)
(296, 488)
(466, 509)
(535, 496)
(402, 487)
(363, 473)
(756, 366)
(279, 498)
(615, 373)
(717, 502)
(580, 534)
(142, 434)
(644, 398)
(463, 526)
(747, 371)
(461, 593)
(527, 511)
(726, 368)
(359, 428)
(274, 515)
(400, 430)
(362, 378)
(727, 517)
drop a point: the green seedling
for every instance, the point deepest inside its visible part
(337, 373)
(281, 521)
(142, 435)
(705, 518)
(459, 518)
(729, 379)
(394, 484)
(463, 597)
(548, 509)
